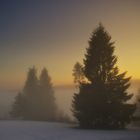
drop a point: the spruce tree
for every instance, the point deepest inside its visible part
(47, 99)
(137, 112)
(102, 101)
(18, 107)
(25, 105)
(78, 73)
(30, 93)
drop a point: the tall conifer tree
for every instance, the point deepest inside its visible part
(26, 101)
(102, 101)
(47, 104)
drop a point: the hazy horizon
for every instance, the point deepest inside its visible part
(133, 83)
(63, 95)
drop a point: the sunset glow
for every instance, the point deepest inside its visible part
(55, 35)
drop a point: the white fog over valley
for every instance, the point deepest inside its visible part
(63, 97)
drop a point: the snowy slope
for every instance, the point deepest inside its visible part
(30, 130)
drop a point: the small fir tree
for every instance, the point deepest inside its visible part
(78, 73)
(18, 107)
(102, 101)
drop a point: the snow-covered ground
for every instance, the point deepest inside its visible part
(31, 130)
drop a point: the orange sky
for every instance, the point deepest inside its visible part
(56, 34)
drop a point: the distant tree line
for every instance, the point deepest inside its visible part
(36, 101)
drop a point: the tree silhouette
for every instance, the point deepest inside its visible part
(78, 73)
(36, 101)
(47, 99)
(18, 106)
(102, 98)
(30, 92)
(137, 112)
(26, 101)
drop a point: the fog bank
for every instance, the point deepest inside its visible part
(63, 97)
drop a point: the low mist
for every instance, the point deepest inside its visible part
(63, 97)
